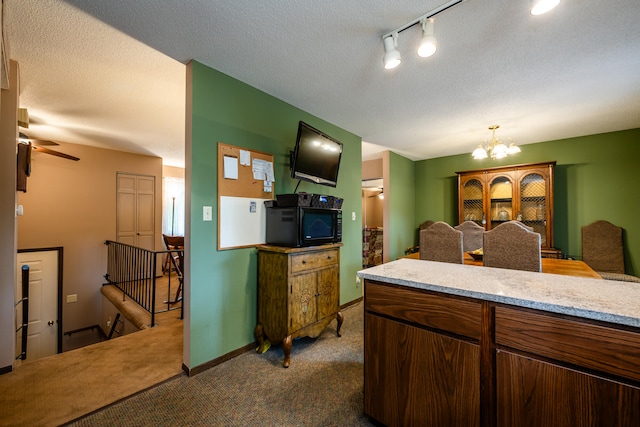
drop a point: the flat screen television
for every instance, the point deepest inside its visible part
(316, 157)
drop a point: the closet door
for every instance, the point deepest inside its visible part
(135, 210)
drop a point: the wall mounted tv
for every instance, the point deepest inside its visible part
(316, 157)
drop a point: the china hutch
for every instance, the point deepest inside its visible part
(518, 192)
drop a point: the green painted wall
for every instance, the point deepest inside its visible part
(401, 205)
(222, 307)
(595, 178)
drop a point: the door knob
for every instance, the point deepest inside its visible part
(50, 322)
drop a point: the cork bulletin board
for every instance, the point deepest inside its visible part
(245, 182)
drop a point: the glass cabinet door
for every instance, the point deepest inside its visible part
(501, 206)
(473, 202)
(533, 204)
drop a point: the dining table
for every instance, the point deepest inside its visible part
(567, 267)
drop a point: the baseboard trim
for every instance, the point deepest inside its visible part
(6, 369)
(350, 303)
(218, 360)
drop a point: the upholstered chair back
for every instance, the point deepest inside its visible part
(602, 247)
(603, 250)
(441, 242)
(511, 245)
(471, 235)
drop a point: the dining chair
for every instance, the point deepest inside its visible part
(471, 235)
(175, 244)
(416, 248)
(603, 250)
(441, 242)
(511, 245)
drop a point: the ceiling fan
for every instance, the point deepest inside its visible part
(374, 192)
(39, 145)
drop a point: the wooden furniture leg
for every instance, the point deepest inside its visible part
(286, 349)
(340, 319)
(259, 334)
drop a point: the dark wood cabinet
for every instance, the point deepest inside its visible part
(534, 393)
(437, 359)
(523, 192)
(298, 293)
(411, 364)
(406, 381)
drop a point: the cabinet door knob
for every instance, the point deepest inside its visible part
(304, 261)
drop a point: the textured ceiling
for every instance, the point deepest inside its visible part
(572, 72)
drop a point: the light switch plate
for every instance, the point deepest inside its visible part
(207, 213)
(353, 216)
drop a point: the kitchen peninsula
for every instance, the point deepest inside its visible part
(449, 344)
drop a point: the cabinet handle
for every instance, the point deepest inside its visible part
(304, 261)
(318, 294)
(329, 257)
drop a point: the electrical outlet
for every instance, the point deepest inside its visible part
(109, 322)
(353, 216)
(357, 282)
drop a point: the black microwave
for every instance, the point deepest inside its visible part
(303, 226)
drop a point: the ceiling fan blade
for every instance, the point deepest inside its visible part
(43, 141)
(55, 153)
(26, 137)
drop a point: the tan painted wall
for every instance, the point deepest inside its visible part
(8, 139)
(173, 172)
(372, 208)
(73, 205)
(372, 169)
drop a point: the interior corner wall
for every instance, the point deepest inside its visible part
(399, 202)
(73, 205)
(8, 138)
(595, 178)
(222, 285)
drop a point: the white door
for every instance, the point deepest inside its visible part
(42, 331)
(135, 221)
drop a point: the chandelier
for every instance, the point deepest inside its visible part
(495, 148)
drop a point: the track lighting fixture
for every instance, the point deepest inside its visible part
(538, 7)
(428, 44)
(391, 56)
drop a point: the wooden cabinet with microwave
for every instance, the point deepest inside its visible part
(519, 192)
(298, 293)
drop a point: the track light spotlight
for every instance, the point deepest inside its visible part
(391, 56)
(428, 44)
(538, 7)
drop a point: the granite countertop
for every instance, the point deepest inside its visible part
(598, 299)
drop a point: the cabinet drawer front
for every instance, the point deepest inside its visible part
(311, 260)
(449, 314)
(609, 350)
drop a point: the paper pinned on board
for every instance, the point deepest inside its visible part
(263, 170)
(230, 167)
(245, 157)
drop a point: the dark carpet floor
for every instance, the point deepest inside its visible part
(322, 387)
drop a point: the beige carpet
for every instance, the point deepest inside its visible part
(323, 387)
(61, 388)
